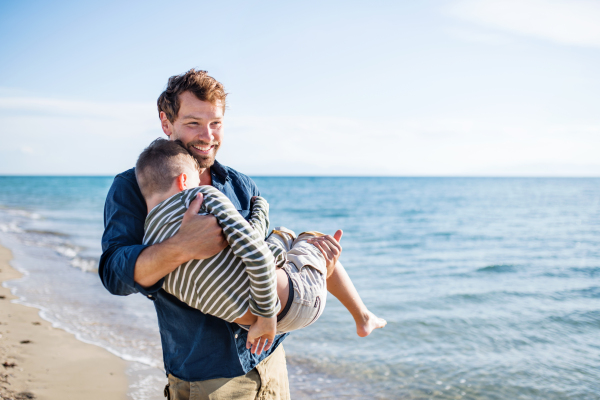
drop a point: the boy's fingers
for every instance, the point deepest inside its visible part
(250, 342)
(327, 248)
(263, 343)
(324, 251)
(257, 347)
(270, 342)
(331, 241)
(334, 242)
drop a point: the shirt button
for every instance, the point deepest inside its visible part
(236, 335)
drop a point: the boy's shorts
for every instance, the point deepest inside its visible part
(307, 272)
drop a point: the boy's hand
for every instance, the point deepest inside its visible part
(330, 247)
(261, 335)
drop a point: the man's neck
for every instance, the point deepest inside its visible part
(205, 177)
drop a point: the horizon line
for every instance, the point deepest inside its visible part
(324, 176)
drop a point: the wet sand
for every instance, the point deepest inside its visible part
(42, 362)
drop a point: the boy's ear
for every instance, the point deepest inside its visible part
(182, 181)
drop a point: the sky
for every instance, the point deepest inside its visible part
(379, 88)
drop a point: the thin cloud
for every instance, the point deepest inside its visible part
(572, 22)
(96, 138)
(60, 107)
(437, 146)
(476, 36)
(56, 136)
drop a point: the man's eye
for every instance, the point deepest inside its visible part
(193, 123)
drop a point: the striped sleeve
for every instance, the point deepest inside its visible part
(259, 218)
(247, 244)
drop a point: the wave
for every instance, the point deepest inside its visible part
(89, 264)
(498, 269)
(58, 241)
(20, 213)
(70, 251)
(42, 232)
(10, 227)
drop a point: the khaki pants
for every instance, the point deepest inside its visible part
(267, 381)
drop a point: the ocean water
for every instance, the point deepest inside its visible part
(490, 286)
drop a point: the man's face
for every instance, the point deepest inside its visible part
(199, 125)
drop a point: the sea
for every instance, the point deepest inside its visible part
(490, 286)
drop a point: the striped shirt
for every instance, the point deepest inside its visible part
(240, 276)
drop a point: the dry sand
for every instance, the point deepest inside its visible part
(42, 362)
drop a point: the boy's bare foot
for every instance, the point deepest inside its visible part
(369, 322)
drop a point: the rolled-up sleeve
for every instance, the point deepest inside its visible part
(124, 216)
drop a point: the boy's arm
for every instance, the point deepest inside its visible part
(259, 220)
(259, 217)
(249, 245)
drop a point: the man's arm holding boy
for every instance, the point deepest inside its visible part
(199, 237)
(127, 266)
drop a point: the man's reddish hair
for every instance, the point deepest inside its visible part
(203, 86)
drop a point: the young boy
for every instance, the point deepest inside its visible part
(254, 282)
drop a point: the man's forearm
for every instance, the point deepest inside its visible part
(157, 261)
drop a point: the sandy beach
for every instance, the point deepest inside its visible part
(42, 362)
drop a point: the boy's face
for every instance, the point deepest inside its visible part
(199, 125)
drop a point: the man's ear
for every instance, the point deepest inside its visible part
(182, 181)
(165, 124)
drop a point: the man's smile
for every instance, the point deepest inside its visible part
(204, 149)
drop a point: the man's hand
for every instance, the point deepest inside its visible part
(261, 334)
(199, 237)
(330, 247)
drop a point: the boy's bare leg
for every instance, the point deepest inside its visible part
(340, 285)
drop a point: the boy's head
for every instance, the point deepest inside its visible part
(163, 165)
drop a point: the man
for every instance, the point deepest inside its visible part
(205, 357)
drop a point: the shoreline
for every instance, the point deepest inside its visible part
(42, 362)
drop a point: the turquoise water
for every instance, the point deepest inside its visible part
(491, 286)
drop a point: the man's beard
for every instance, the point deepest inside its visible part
(204, 161)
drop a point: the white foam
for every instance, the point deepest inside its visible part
(11, 227)
(67, 250)
(23, 213)
(85, 264)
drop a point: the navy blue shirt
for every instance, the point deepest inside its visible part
(196, 346)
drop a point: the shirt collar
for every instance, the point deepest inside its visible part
(219, 174)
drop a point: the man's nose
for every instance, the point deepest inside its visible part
(205, 134)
